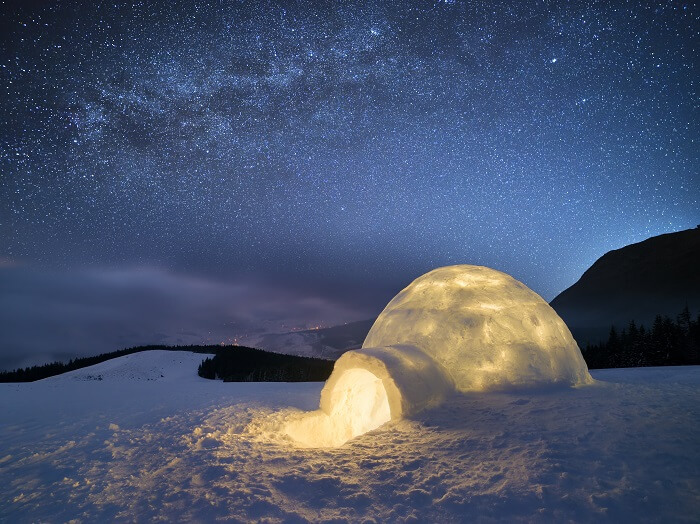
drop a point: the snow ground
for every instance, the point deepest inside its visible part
(142, 437)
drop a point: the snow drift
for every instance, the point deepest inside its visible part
(457, 328)
(181, 448)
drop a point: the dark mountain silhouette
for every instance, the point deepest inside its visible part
(659, 276)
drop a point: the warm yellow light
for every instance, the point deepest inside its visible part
(458, 328)
(359, 404)
(486, 329)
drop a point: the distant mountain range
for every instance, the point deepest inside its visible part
(660, 275)
(324, 343)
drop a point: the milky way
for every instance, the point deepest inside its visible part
(346, 142)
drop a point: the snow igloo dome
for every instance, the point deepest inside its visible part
(456, 328)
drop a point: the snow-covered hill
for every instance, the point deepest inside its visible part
(138, 367)
(151, 440)
(330, 342)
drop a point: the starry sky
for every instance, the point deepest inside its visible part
(192, 171)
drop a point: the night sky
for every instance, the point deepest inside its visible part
(195, 171)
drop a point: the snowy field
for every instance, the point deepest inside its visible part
(143, 437)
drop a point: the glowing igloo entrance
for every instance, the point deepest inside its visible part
(360, 398)
(456, 328)
(359, 404)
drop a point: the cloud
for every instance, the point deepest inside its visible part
(8, 262)
(56, 315)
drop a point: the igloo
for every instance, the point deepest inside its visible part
(457, 328)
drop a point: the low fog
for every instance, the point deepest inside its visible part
(55, 315)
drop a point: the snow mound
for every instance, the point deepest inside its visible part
(457, 328)
(198, 450)
(144, 366)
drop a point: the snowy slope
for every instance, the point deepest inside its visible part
(324, 343)
(138, 367)
(137, 446)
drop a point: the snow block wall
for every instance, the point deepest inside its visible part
(463, 328)
(485, 328)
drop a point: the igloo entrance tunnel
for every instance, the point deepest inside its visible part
(456, 328)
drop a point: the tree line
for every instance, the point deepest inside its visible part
(30, 374)
(244, 364)
(229, 363)
(668, 343)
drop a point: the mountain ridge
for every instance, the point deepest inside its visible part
(658, 275)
